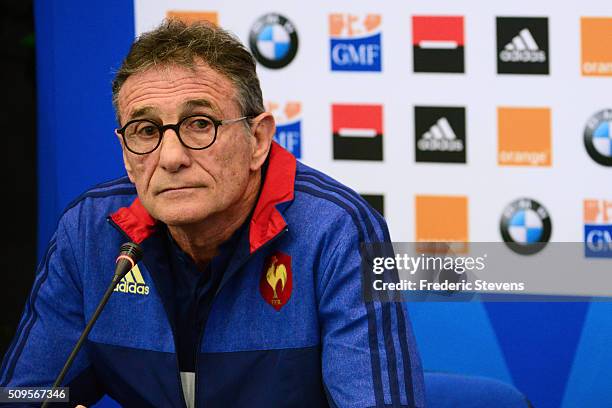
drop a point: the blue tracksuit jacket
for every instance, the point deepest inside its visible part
(288, 326)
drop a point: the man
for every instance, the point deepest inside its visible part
(249, 292)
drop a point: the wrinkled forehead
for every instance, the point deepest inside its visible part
(167, 87)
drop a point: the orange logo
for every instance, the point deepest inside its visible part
(596, 46)
(276, 281)
(190, 17)
(442, 219)
(524, 137)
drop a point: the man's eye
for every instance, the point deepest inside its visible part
(147, 131)
(199, 124)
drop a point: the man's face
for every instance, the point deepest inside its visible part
(177, 185)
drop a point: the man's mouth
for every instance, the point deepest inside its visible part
(178, 188)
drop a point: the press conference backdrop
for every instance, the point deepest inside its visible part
(446, 115)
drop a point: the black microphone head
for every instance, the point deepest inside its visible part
(132, 250)
(129, 255)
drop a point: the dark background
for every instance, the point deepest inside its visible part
(18, 121)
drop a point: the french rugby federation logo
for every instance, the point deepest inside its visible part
(522, 45)
(276, 283)
(525, 226)
(273, 41)
(355, 42)
(288, 118)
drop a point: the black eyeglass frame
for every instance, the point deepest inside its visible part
(176, 126)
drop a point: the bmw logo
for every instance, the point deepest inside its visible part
(273, 41)
(525, 226)
(598, 137)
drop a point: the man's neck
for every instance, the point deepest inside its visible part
(202, 241)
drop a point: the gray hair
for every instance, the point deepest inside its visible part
(176, 43)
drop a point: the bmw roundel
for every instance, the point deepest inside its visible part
(525, 226)
(273, 41)
(598, 137)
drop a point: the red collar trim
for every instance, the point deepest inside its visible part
(278, 188)
(266, 221)
(135, 221)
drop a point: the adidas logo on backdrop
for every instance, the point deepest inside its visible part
(440, 137)
(522, 48)
(440, 134)
(522, 45)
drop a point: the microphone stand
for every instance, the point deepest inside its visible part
(121, 271)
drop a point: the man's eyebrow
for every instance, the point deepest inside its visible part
(192, 104)
(140, 112)
(187, 108)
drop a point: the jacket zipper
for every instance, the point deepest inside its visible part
(172, 328)
(202, 329)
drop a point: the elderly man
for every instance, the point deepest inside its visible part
(249, 293)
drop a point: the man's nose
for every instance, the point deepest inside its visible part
(173, 155)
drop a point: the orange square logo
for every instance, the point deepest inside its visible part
(596, 46)
(190, 17)
(441, 218)
(524, 137)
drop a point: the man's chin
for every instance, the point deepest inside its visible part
(178, 220)
(182, 210)
(180, 216)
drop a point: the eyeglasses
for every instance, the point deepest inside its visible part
(197, 132)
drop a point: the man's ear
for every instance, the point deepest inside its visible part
(126, 164)
(262, 128)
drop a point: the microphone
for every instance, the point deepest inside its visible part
(129, 255)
